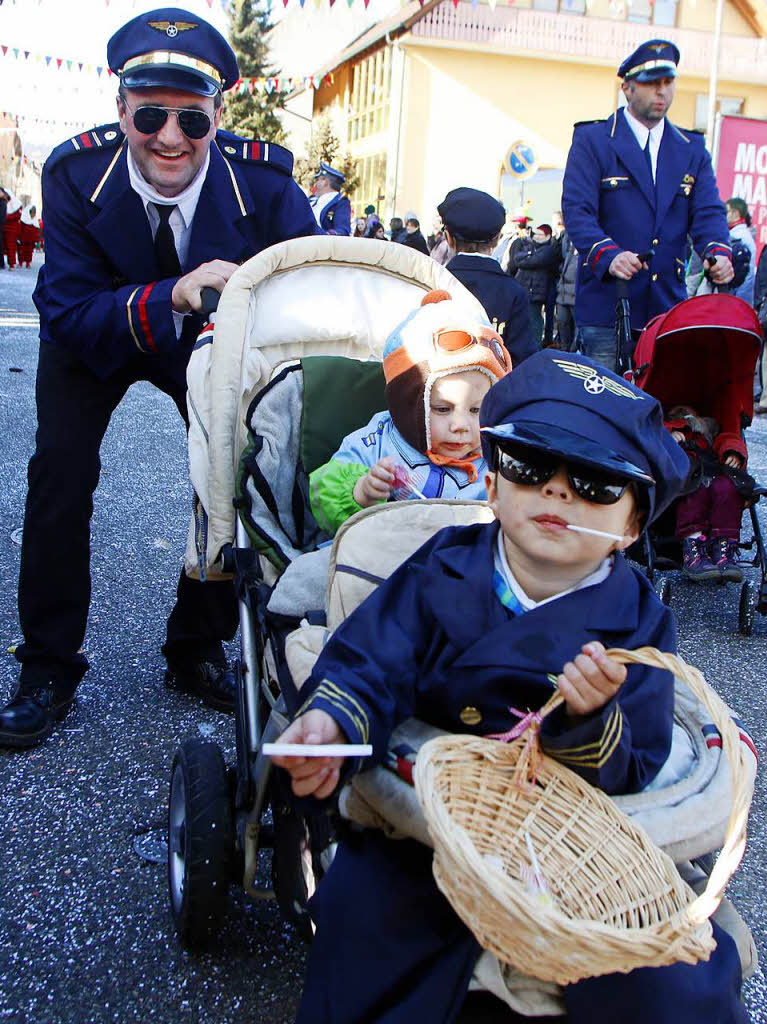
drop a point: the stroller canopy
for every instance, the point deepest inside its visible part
(702, 353)
(322, 295)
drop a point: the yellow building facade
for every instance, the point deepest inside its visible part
(435, 96)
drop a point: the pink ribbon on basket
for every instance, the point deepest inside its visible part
(527, 719)
(530, 723)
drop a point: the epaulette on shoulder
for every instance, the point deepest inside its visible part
(254, 151)
(596, 120)
(685, 135)
(105, 136)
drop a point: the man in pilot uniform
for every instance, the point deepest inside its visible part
(332, 211)
(140, 216)
(637, 183)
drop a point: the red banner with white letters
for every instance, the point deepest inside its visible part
(741, 168)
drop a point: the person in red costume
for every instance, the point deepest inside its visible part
(11, 229)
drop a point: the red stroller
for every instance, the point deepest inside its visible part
(702, 353)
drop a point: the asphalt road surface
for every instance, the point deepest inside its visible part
(85, 929)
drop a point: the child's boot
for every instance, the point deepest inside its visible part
(723, 552)
(696, 564)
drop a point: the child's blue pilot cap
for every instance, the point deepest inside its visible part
(566, 404)
(471, 215)
(172, 49)
(657, 58)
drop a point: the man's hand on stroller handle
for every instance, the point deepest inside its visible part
(626, 264)
(312, 776)
(720, 270)
(186, 295)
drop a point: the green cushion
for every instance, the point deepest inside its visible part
(340, 396)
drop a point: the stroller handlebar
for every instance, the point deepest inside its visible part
(210, 299)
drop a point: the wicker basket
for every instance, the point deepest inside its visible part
(611, 900)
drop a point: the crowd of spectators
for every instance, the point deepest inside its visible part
(541, 257)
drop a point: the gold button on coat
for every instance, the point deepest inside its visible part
(655, 277)
(471, 716)
(655, 241)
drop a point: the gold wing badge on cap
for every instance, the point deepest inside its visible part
(172, 28)
(594, 382)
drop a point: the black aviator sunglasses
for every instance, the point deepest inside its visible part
(195, 124)
(531, 468)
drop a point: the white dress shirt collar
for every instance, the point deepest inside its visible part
(642, 131)
(185, 202)
(484, 255)
(321, 202)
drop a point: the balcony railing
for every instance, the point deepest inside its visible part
(508, 30)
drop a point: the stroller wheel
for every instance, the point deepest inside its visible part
(200, 841)
(746, 609)
(663, 589)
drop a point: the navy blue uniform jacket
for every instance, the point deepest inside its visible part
(505, 301)
(98, 293)
(431, 641)
(336, 218)
(610, 204)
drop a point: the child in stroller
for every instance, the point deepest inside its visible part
(701, 355)
(708, 518)
(486, 615)
(438, 366)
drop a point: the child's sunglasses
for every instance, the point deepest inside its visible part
(452, 340)
(195, 124)
(531, 468)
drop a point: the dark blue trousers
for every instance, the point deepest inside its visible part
(74, 408)
(389, 949)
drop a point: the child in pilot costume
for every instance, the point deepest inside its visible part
(438, 365)
(478, 620)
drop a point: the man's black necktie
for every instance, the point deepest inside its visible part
(648, 159)
(165, 243)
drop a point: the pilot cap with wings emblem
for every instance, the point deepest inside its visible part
(566, 404)
(657, 58)
(173, 49)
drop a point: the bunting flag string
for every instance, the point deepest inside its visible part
(279, 83)
(270, 84)
(56, 62)
(48, 122)
(12, 3)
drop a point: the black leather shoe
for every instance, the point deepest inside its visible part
(212, 681)
(31, 714)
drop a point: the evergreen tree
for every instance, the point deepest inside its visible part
(252, 115)
(324, 146)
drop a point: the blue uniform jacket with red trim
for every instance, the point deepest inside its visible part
(98, 293)
(610, 204)
(434, 640)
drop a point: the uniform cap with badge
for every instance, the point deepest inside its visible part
(657, 58)
(568, 405)
(173, 49)
(337, 178)
(471, 215)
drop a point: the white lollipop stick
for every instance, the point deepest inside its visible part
(317, 749)
(596, 533)
(417, 493)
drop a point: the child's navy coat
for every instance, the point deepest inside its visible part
(435, 642)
